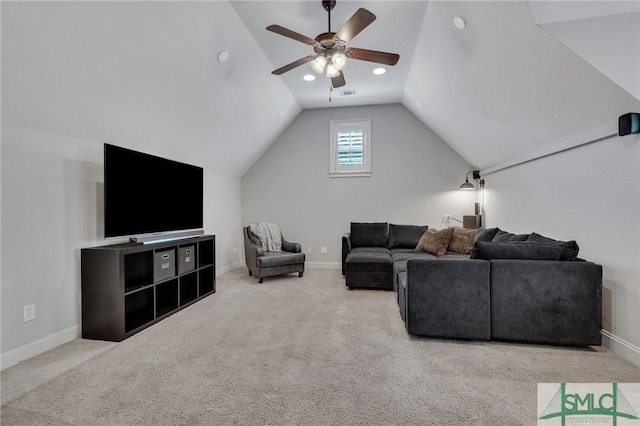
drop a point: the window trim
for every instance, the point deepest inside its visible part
(363, 170)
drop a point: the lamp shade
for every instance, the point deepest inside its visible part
(332, 71)
(466, 186)
(318, 63)
(339, 60)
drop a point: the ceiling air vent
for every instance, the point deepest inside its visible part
(347, 92)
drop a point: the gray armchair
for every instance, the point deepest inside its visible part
(271, 263)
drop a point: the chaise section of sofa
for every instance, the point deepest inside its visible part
(369, 251)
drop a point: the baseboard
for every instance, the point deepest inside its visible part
(229, 268)
(31, 349)
(623, 348)
(323, 265)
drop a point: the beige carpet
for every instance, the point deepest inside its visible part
(292, 352)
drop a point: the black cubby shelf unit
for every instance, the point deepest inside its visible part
(128, 287)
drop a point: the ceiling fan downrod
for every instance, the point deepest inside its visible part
(328, 5)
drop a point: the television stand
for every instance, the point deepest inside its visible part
(128, 287)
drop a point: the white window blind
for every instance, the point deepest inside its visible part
(350, 148)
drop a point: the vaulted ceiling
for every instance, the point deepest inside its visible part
(147, 75)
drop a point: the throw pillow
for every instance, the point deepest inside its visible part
(369, 234)
(435, 241)
(503, 236)
(516, 250)
(487, 234)
(462, 240)
(569, 248)
(405, 236)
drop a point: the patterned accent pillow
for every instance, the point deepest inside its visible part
(462, 240)
(435, 241)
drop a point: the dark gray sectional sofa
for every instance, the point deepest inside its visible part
(525, 288)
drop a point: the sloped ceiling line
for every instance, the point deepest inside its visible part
(606, 34)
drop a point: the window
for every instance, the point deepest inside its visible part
(350, 148)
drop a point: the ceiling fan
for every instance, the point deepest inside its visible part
(331, 52)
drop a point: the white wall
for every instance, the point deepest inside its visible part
(414, 180)
(592, 195)
(52, 189)
(145, 74)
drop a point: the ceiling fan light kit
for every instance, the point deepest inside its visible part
(331, 52)
(318, 63)
(339, 60)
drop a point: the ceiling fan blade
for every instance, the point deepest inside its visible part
(358, 22)
(291, 34)
(338, 81)
(373, 56)
(292, 65)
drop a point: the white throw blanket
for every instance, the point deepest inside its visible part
(268, 235)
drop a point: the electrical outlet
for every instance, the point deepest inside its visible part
(29, 312)
(308, 250)
(323, 250)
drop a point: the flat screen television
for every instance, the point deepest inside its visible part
(145, 194)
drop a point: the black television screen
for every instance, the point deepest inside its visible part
(145, 194)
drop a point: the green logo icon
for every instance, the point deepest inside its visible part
(565, 404)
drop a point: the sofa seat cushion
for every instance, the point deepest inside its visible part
(404, 256)
(369, 234)
(370, 250)
(369, 262)
(279, 258)
(454, 255)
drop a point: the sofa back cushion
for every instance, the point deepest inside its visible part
(487, 234)
(503, 236)
(569, 248)
(369, 234)
(435, 241)
(405, 236)
(516, 250)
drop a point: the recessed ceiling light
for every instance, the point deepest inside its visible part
(223, 56)
(309, 77)
(459, 22)
(419, 104)
(379, 71)
(280, 116)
